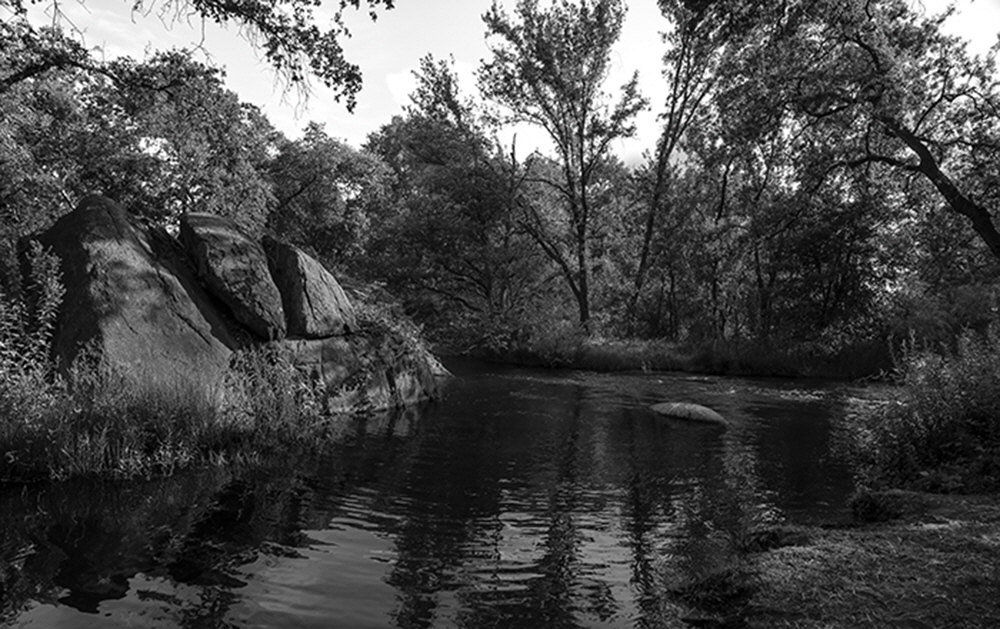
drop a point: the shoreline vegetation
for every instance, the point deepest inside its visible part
(866, 361)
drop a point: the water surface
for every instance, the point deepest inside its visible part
(525, 498)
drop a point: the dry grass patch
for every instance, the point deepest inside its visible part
(940, 568)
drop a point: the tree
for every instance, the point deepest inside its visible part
(286, 31)
(915, 102)
(165, 139)
(328, 195)
(548, 68)
(455, 245)
(696, 41)
(209, 151)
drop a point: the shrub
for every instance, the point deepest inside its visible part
(27, 318)
(944, 435)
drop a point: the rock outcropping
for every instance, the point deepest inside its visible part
(162, 311)
(132, 298)
(234, 268)
(315, 305)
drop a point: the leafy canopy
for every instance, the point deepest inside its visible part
(287, 31)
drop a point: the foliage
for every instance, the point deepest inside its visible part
(28, 317)
(696, 42)
(161, 137)
(909, 100)
(382, 318)
(286, 31)
(109, 425)
(944, 435)
(328, 195)
(206, 151)
(27, 322)
(454, 247)
(30, 52)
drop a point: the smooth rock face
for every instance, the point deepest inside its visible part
(315, 305)
(234, 268)
(131, 297)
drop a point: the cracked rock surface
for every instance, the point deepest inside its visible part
(235, 269)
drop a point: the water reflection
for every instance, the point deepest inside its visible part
(524, 499)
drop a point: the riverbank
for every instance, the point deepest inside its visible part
(805, 360)
(935, 564)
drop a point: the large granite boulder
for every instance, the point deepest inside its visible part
(235, 269)
(132, 299)
(315, 305)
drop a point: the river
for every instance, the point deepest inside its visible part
(524, 498)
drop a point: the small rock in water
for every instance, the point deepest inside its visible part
(689, 411)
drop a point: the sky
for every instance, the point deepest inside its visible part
(389, 49)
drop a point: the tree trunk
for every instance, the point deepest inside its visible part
(979, 216)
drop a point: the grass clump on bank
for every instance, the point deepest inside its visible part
(943, 435)
(108, 425)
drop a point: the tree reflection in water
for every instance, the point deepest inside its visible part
(525, 499)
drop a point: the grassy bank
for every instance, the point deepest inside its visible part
(934, 563)
(943, 432)
(107, 425)
(862, 360)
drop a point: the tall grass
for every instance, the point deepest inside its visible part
(109, 425)
(944, 433)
